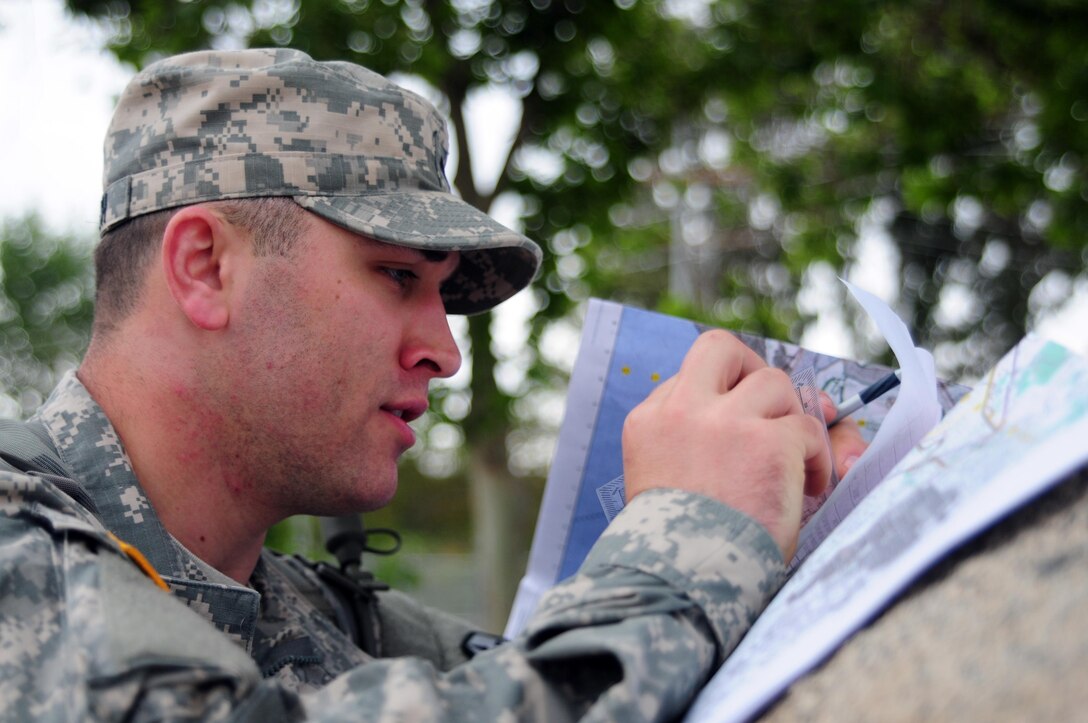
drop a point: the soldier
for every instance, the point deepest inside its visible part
(279, 252)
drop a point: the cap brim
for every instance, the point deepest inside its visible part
(496, 262)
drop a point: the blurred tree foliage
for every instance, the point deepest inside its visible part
(46, 298)
(731, 151)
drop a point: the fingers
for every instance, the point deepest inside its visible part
(720, 368)
(729, 427)
(827, 406)
(847, 444)
(716, 362)
(768, 393)
(800, 464)
(817, 456)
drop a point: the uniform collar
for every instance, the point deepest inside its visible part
(91, 449)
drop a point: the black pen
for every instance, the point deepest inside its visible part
(866, 395)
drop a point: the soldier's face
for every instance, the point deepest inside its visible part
(337, 346)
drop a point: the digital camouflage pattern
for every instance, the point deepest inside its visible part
(663, 597)
(341, 140)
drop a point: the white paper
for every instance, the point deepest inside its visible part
(915, 412)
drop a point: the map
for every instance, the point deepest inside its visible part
(625, 352)
(1022, 429)
(924, 485)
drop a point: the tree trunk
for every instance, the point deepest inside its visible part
(490, 483)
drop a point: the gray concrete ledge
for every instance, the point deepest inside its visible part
(998, 631)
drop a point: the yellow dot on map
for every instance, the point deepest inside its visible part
(625, 370)
(655, 377)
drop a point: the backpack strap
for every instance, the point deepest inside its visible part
(347, 594)
(358, 594)
(25, 447)
(389, 624)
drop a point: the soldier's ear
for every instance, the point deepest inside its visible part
(201, 256)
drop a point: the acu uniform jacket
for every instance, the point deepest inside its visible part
(664, 596)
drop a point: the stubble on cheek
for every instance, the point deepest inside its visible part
(247, 384)
(311, 366)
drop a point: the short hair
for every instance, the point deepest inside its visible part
(125, 252)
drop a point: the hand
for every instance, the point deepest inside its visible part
(729, 427)
(847, 444)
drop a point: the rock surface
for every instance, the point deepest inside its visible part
(998, 631)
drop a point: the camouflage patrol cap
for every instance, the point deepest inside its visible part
(340, 140)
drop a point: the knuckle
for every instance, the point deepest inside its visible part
(775, 376)
(633, 423)
(645, 419)
(712, 338)
(716, 336)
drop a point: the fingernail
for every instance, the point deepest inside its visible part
(848, 463)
